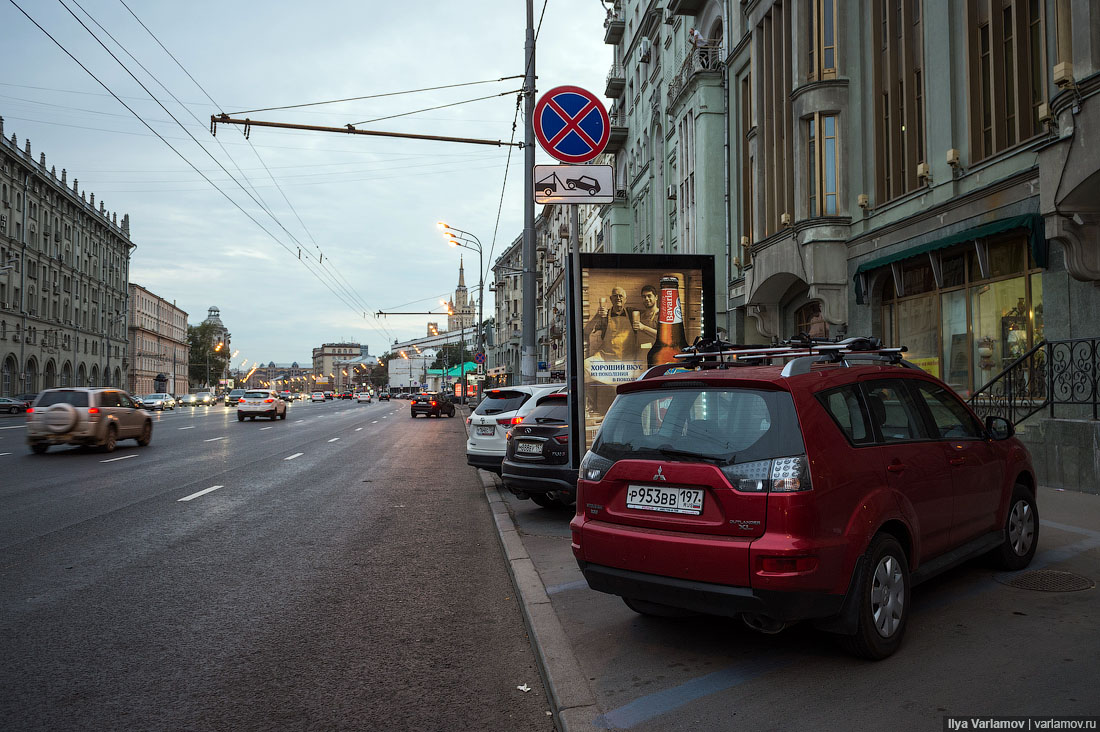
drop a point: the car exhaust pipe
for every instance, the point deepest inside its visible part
(763, 623)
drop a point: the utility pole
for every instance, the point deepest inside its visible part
(528, 357)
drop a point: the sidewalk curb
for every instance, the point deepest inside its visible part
(571, 699)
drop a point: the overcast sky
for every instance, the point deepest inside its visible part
(369, 204)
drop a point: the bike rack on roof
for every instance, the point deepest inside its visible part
(801, 354)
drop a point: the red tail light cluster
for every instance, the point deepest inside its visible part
(93, 410)
(434, 404)
(30, 410)
(266, 401)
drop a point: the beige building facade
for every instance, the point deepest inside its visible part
(159, 352)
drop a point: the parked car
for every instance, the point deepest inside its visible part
(158, 401)
(12, 405)
(821, 489)
(28, 399)
(188, 400)
(536, 460)
(86, 416)
(497, 412)
(205, 398)
(384, 396)
(317, 396)
(233, 398)
(432, 404)
(261, 403)
(362, 396)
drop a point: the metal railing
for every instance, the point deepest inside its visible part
(1052, 373)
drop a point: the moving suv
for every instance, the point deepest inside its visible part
(261, 403)
(83, 416)
(494, 416)
(536, 459)
(821, 489)
(432, 404)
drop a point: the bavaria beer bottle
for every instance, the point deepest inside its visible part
(670, 324)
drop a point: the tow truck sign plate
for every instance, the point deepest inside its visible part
(574, 184)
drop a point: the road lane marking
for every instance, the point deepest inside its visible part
(297, 454)
(188, 428)
(124, 457)
(201, 493)
(375, 422)
(299, 420)
(215, 439)
(5, 453)
(264, 428)
(18, 426)
(334, 439)
(358, 428)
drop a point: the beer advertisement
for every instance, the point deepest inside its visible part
(636, 311)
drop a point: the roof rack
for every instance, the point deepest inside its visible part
(800, 354)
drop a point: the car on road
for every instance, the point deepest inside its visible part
(286, 396)
(86, 416)
(494, 416)
(158, 401)
(816, 481)
(188, 400)
(205, 398)
(233, 398)
(431, 404)
(317, 396)
(28, 399)
(362, 396)
(261, 403)
(384, 396)
(329, 395)
(11, 405)
(536, 460)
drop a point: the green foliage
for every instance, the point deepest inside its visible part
(206, 356)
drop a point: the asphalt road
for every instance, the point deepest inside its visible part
(336, 570)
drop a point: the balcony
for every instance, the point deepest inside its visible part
(619, 130)
(705, 60)
(614, 26)
(616, 82)
(685, 7)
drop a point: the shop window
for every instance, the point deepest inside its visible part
(1000, 329)
(918, 330)
(953, 268)
(917, 277)
(956, 341)
(1006, 258)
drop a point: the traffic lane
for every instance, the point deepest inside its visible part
(363, 591)
(1028, 647)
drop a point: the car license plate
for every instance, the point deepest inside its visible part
(667, 500)
(485, 430)
(530, 448)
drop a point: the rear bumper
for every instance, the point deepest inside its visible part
(710, 598)
(487, 462)
(538, 478)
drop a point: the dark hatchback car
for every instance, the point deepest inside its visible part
(432, 404)
(536, 459)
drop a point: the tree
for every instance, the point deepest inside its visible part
(453, 354)
(208, 360)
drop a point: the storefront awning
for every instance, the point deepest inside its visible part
(1033, 223)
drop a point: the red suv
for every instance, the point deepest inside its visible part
(823, 488)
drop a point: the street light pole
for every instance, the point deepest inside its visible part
(465, 244)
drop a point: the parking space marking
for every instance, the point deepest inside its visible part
(187, 428)
(124, 457)
(202, 493)
(215, 439)
(297, 454)
(334, 439)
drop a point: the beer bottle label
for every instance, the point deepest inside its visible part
(670, 306)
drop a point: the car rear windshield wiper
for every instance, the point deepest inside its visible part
(716, 459)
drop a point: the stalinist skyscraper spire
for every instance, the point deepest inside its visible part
(462, 307)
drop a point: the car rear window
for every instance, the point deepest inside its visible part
(552, 411)
(257, 395)
(501, 400)
(76, 398)
(728, 425)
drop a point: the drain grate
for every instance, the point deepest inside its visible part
(1048, 580)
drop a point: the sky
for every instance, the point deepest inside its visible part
(361, 211)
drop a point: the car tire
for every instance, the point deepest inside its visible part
(111, 440)
(240, 417)
(541, 499)
(656, 610)
(146, 434)
(283, 415)
(1021, 531)
(882, 600)
(13, 410)
(39, 448)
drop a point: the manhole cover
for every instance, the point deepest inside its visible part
(1048, 580)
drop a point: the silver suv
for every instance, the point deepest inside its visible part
(83, 416)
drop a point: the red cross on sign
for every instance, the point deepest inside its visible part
(571, 124)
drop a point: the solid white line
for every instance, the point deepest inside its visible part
(188, 428)
(124, 457)
(264, 428)
(334, 439)
(200, 493)
(297, 454)
(215, 439)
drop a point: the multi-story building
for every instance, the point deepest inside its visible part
(504, 361)
(64, 267)
(328, 376)
(159, 351)
(291, 377)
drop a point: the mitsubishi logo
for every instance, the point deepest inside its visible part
(660, 474)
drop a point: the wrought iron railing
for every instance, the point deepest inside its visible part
(1052, 373)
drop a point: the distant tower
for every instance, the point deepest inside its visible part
(462, 306)
(221, 333)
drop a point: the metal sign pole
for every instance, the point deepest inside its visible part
(575, 323)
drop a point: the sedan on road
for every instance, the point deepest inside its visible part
(363, 396)
(12, 406)
(261, 403)
(317, 396)
(158, 401)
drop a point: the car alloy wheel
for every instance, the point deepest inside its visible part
(111, 440)
(881, 588)
(146, 435)
(1021, 531)
(888, 596)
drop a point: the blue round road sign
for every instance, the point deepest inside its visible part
(479, 357)
(571, 124)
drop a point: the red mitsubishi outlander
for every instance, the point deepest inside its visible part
(813, 481)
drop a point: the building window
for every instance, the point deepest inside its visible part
(899, 97)
(775, 143)
(822, 40)
(1007, 51)
(822, 165)
(747, 200)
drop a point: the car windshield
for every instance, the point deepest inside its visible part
(76, 398)
(727, 425)
(501, 400)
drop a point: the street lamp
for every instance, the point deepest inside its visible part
(466, 240)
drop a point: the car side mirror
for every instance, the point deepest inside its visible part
(999, 428)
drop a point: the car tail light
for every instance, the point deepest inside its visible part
(562, 439)
(240, 401)
(93, 410)
(594, 467)
(266, 401)
(505, 422)
(781, 475)
(469, 420)
(508, 435)
(434, 404)
(517, 420)
(30, 410)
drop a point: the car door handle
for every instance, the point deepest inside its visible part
(957, 461)
(896, 467)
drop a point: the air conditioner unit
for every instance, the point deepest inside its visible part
(670, 194)
(645, 47)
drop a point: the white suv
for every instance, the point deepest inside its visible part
(82, 416)
(494, 416)
(261, 403)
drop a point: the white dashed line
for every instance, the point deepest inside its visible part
(334, 439)
(16, 427)
(5, 453)
(297, 454)
(215, 439)
(375, 422)
(124, 457)
(299, 420)
(358, 428)
(200, 493)
(188, 428)
(264, 428)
